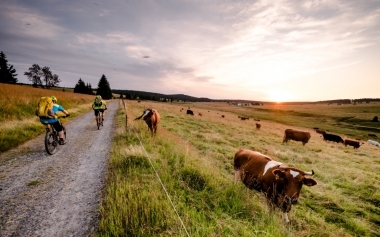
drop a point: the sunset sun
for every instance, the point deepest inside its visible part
(280, 95)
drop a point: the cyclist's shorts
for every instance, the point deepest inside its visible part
(57, 125)
(97, 111)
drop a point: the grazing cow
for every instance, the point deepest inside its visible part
(189, 112)
(222, 116)
(256, 119)
(152, 118)
(281, 184)
(199, 114)
(295, 135)
(375, 143)
(258, 126)
(332, 137)
(244, 118)
(372, 135)
(353, 143)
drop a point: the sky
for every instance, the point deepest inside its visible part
(283, 50)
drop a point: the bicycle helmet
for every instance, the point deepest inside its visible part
(53, 98)
(99, 97)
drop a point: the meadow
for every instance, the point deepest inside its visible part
(18, 103)
(181, 183)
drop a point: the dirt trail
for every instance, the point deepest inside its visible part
(56, 195)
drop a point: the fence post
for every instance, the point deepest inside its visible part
(126, 115)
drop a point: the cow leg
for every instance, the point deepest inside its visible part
(285, 216)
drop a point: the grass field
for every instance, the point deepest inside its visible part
(18, 103)
(192, 158)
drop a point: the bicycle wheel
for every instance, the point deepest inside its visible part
(51, 142)
(98, 118)
(64, 133)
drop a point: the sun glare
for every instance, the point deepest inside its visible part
(280, 95)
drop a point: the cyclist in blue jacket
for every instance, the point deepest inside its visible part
(54, 121)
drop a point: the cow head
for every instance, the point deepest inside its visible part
(147, 114)
(290, 181)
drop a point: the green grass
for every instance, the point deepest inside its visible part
(193, 157)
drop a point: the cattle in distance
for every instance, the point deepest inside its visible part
(281, 184)
(189, 112)
(151, 118)
(355, 144)
(332, 137)
(258, 126)
(295, 135)
(375, 143)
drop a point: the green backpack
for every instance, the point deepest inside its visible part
(97, 102)
(45, 107)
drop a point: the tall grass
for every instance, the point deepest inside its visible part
(193, 156)
(18, 103)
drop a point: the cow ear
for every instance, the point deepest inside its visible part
(279, 174)
(309, 182)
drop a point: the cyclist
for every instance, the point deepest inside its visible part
(54, 121)
(99, 105)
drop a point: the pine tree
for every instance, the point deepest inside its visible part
(80, 87)
(89, 89)
(104, 88)
(7, 72)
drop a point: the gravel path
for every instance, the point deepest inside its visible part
(56, 195)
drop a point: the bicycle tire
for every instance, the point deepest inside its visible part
(64, 133)
(51, 142)
(98, 122)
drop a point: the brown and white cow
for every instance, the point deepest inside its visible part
(355, 144)
(281, 184)
(291, 134)
(152, 118)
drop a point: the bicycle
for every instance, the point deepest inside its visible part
(99, 119)
(51, 138)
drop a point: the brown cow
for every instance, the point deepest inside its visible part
(295, 135)
(281, 184)
(258, 126)
(152, 118)
(353, 143)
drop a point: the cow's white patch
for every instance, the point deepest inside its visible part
(271, 164)
(285, 216)
(294, 173)
(145, 114)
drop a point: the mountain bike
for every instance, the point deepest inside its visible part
(99, 119)
(51, 138)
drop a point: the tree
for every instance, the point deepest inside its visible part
(83, 88)
(89, 89)
(104, 89)
(50, 79)
(7, 72)
(80, 87)
(34, 75)
(37, 76)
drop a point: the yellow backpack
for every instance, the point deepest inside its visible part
(45, 107)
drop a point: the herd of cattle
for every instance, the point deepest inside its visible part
(281, 184)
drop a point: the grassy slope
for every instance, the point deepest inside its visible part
(193, 157)
(18, 123)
